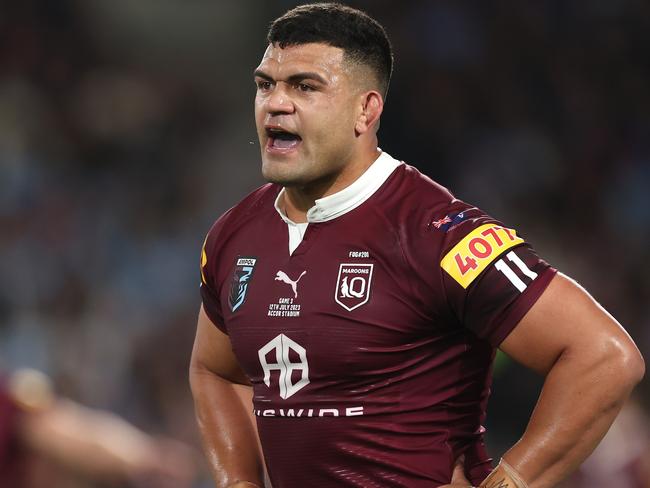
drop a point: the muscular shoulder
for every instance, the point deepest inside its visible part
(417, 189)
(431, 220)
(251, 208)
(417, 204)
(481, 271)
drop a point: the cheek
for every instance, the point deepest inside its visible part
(338, 126)
(257, 109)
(330, 120)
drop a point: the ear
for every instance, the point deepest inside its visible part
(372, 105)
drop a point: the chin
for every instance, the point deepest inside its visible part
(274, 173)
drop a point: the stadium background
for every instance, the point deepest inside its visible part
(126, 128)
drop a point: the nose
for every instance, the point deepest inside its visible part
(279, 101)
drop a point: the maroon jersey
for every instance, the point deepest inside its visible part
(369, 340)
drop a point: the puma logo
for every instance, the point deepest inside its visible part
(282, 276)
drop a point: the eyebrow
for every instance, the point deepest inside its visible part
(298, 77)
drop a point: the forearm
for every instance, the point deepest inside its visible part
(88, 440)
(578, 403)
(229, 438)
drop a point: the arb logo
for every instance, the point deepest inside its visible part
(282, 361)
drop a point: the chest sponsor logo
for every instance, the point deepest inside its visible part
(241, 278)
(353, 285)
(477, 250)
(288, 357)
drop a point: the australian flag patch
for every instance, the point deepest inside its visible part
(449, 221)
(244, 267)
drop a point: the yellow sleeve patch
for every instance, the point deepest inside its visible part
(467, 259)
(204, 260)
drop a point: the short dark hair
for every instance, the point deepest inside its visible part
(361, 37)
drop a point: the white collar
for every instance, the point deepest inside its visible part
(350, 197)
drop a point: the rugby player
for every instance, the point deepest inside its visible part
(364, 303)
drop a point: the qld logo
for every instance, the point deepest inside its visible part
(241, 278)
(353, 285)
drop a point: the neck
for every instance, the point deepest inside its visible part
(299, 199)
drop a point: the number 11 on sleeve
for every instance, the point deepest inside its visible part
(517, 282)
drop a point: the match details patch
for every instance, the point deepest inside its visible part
(467, 259)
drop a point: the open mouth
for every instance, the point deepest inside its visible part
(281, 139)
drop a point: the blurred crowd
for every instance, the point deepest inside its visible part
(126, 128)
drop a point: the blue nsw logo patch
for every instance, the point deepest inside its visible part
(241, 278)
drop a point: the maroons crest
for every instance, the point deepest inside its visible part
(353, 285)
(241, 277)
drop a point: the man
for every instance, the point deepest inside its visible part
(364, 303)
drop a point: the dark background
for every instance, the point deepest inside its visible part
(126, 129)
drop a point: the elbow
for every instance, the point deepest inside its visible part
(637, 367)
(627, 363)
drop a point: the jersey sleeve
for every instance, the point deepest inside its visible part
(490, 275)
(209, 288)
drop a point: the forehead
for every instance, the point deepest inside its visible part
(322, 58)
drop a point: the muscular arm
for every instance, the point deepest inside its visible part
(590, 366)
(228, 434)
(94, 442)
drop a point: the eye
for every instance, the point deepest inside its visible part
(263, 85)
(304, 87)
